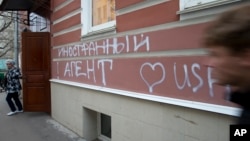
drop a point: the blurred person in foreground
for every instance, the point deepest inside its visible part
(13, 87)
(227, 40)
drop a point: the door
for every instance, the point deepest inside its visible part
(36, 71)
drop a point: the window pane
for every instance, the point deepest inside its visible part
(106, 125)
(103, 11)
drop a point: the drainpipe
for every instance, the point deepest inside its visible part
(16, 51)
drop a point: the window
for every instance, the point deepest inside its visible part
(190, 3)
(97, 15)
(38, 23)
(105, 127)
(186, 4)
(97, 126)
(200, 8)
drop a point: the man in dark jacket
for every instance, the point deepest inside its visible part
(228, 42)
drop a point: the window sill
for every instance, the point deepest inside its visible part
(99, 34)
(206, 6)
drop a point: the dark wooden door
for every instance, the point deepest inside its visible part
(36, 71)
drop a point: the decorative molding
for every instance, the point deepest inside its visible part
(99, 33)
(232, 111)
(167, 53)
(65, 31)
(138, 6)
(171, 25)
(62, 5)
(73, 13)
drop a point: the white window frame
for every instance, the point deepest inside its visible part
(192, 4)
(86, 19)
(184, 4)
(204, 8)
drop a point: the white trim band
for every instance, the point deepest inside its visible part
(139, 6)
(69, 15)
(185, 103)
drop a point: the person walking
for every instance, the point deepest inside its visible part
(13, 87)
(227, 40)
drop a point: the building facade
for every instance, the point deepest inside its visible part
(132, 70)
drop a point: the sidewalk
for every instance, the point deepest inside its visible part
(31, 126)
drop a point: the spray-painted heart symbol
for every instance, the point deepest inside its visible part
(153, 66)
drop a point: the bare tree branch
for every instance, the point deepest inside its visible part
(6, 33)
(7, 44)
(6, 22)
(2, 54)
